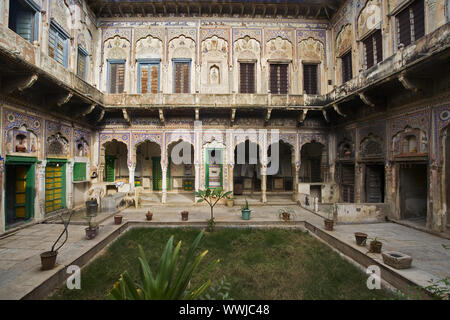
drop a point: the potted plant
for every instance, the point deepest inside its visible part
(48, 258)
(329, 222)
(360, 238)
(91, 206)
(118, 219)
(285, 214)
(375, 245)
(230, 201)
(184, 215)
(212, 197)
(246, 211)
(92, 229)
(149, 215)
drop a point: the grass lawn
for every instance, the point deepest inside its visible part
(259, 264)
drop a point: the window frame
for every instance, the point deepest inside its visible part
(148, 62)
(278, 63)
(35, 24)
(350, 53)
(372, 36)
(108, 78)
(254, 76)
(174, 62)
(82, 52)
(317, 64)
(412, 27)
(60, 32)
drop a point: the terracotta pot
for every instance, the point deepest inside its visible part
(91, 233)
(328, 224)
(184, 215)
(149, 216)
(48, 260)
(375, 246)
(286, 216)
(360, 238)
(118, 219)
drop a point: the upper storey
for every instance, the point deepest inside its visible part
(235, 53)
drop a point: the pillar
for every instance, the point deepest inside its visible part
(296, 168)
(131, 170)
(164, 182)
(2, 209)
(197, 179)
(69, 184)
(263, 184)
(230, 177)
(40, 197)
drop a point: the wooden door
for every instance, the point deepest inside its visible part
(109, 166)
(21, 192)
(54, 187)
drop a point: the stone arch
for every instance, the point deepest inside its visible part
(410, 141)
(344, 40)
(346, 148)
(311, 49)
(371, 146)
(120, 151)
(279, 49)
(149, 48)
(57, 145)
(60, 11)
(313, 163)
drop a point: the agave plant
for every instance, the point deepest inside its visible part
(171, 282)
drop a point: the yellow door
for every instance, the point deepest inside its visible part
(21, 187)
(54, 188)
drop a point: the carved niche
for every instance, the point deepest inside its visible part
(149, 48)
(410, 142)
(57, 146)
(371, 147)
(247, 48)
(344, 40)
(311, 49)
(369, 18)
(279, 49)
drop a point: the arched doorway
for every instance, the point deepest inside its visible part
(116, 164)
(446, 175)
(312, 167)
(180, 172)
(280, 182)
(148, 167)
(247, 171)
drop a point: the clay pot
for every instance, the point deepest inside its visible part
(328, 224)
(375, 246)
(91, 233)
(184, 216)
(118, 219)
(286, 216)
(360, 238)
(149, 216)
(48, 260)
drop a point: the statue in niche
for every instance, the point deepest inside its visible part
(214, 76)
(21, 143)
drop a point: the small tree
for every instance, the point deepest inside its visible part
(212, 197)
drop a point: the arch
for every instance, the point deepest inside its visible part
(114, 157)
(369, 18)
(149, 48)
(371, 146)
(311, 49)
(279, 48)
(313, 157)
(346, 149)
(344, 40)
(283, 178)
(247, 167)
(147, 155)
(410, 141)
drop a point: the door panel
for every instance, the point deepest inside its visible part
(21, 187)
(374, 184)
(54, 188)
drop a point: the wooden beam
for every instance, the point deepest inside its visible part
(302, 116)
(21, 83)
(338, 111)
(197, 114)
(366, 99)
(406, 83)
(161, 116)
(233, 116)
(102, 114)
(325, 115)
(268, 114)
(64, 99)
(126, 116)
(88, 110)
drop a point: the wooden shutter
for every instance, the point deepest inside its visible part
(51, 42)
(81, 65)
(278, 79)
(144, 78)
(79, 171)
(310, 78)
(347, 67)
(116, 77)
(154, 70)
(404, 27)
(378, 40)
(182, 77)
(348, 183)
(247, 78)
(368, 48)
(419, 19)
(374, 184)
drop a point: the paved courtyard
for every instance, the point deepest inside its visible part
(20, 262)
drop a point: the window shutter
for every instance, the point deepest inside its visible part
(81, 65)
(419, 19)
(404, 27)
(154, 79)
(347, 67)
(79, 171)
(120, 77)
(378, 45)
(278, 79)
(310, 78)
(52, 42)
(247, 78)
(368, 46)
(144, 79)
(348, 183)
(182, 77)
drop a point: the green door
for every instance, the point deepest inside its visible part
(55, 186)
(109, 174)
(157, 174)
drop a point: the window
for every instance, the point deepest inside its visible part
(247, 78)
(116, 76)
(148, 77)
(182, 76)
(373, 49)
(310, 78)
(24, 19)
(79, 171)
(347, 67)
(279, 78)
(82, 63)
(58, 44)
(411, 23)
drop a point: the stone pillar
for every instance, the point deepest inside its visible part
(230, 178)
(263, 184)
(69, 184)
(40, 197)
(164, 182)
(296, 168)
(197, 179)
(2, 210)
(131, 169)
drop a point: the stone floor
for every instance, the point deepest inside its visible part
(20, 262)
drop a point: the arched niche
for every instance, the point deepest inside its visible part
(21, 141)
